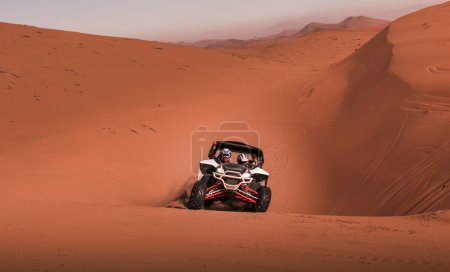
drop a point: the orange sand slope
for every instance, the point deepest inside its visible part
(107, 120)
(97, 119)
(97, 131)
(111, 238)
(374, 129)
(388, 149)
(94, 119)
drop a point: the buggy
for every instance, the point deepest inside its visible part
(218, 181)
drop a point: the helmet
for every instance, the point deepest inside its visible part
(225, 155)
(242, 158)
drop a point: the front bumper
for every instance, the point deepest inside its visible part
(238, 190)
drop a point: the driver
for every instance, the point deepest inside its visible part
(242, 159)
(225, 155)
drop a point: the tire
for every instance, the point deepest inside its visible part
(264, 196)
(197, 199)
(207, 204)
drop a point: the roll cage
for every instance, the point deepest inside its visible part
(235, 146)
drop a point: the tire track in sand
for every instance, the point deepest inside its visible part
(427, 190)
(427, 103)
(367, 174)
(439, 68)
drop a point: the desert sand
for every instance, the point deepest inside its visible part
(95, 150)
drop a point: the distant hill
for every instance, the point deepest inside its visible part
(358, 22)
(353, 22)
(218, 43)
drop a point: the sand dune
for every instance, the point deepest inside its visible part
(87, 118)
(83, 109)
(97, 132)
(389, 145)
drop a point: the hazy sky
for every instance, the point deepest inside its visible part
(176, 20)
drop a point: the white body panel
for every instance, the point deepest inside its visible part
(207, 162)
(210, 162)
(259, 170)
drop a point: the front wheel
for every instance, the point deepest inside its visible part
(197, 199)
(263, 202)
